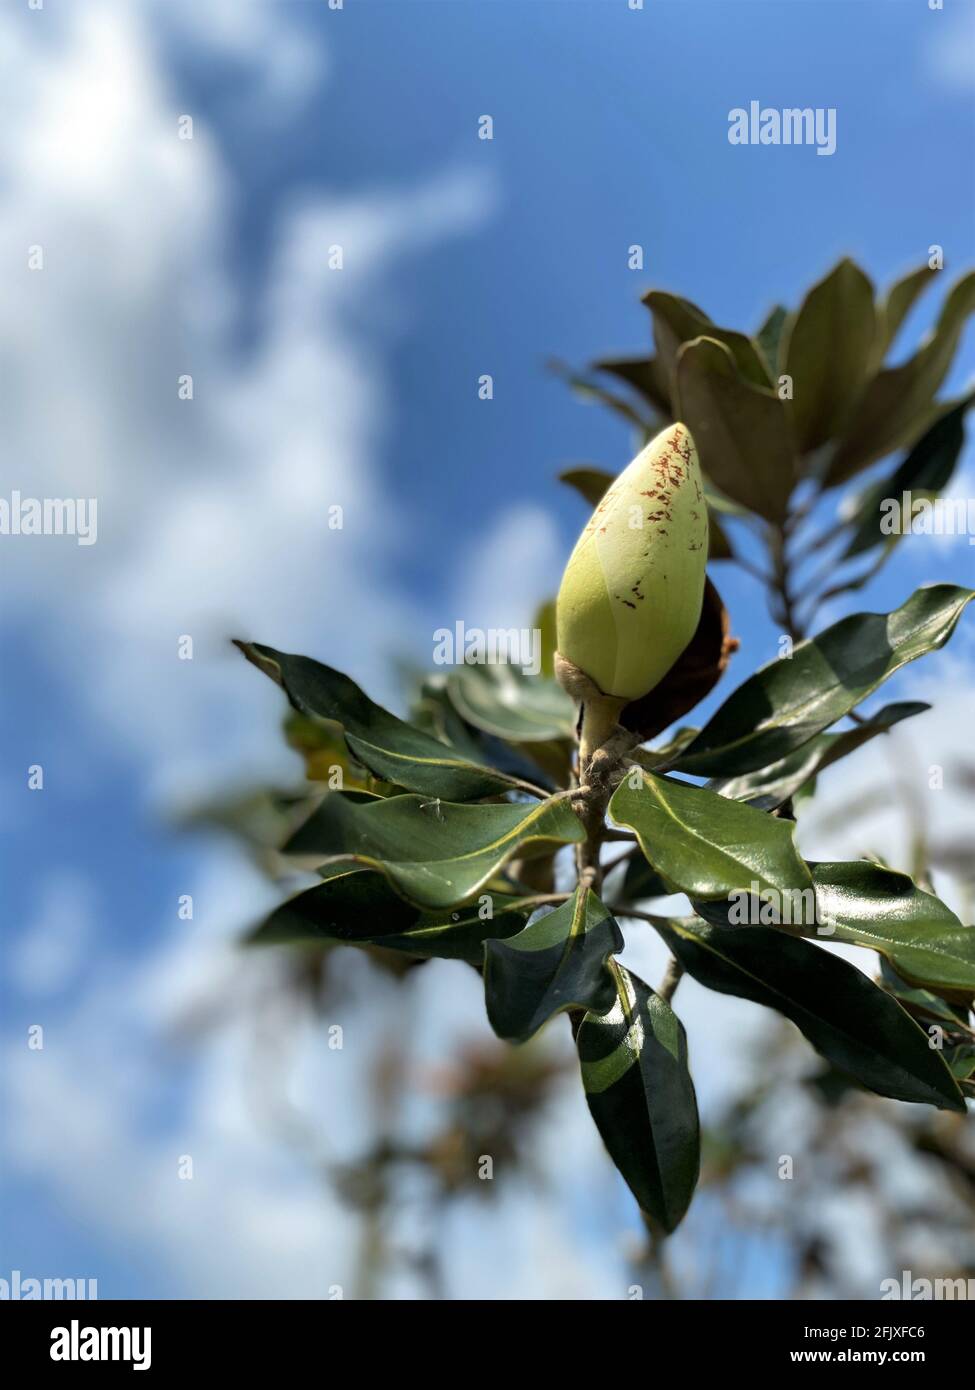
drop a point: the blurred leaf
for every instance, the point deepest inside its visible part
(590, 483)
(594, 393)
(719, 503)
(544, 622)
(896, 406)
(260, 818)
(920, 1001)
(644, 375)
(676, 321)
(770, 787)
(705, 845)
(894, 309)
(719, 545)
(693, 675)
(386, 745)
(653, 758)
(927, 470)
(358, 908)
(956, 857)
(558, 961)
(961, 1061)
(641, 881)
(434, 853)
(867, 905)
(769, 339)
(640, 1094)
(846, 1017)
(505, 702)
(828, 353)
(742, 431)
(789, 701)
(323, 747)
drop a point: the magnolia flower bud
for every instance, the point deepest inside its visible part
(631, 595)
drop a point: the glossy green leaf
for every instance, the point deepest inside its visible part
(927, 470)
(742, 431)
(436, 714)
(357, 907)
(503, 701)
(558, 961)
(640, 1094)
(590, 483)
(789, 701)
(434, 853)
(896, 406)
(867, 905)
(676, 321)
(386, 745)
(828, 353)
(846, 1017)
(705, 845)
(770, 787)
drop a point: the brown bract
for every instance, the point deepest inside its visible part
(693, 675)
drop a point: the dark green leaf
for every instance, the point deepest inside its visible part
(897, 405)
(434, 853)
(927, 470)
(961, 1061)
(789, 701)
(640, 1094)
(641, 881)
(828, 353)
(644, 375)
(705, 845)
(503, 701)
(770, 787)
(921, 1001)
(899, 301)
(719, 545)
(676, 321)
(846, 1017)
(357, 907)
(386, 745)
(558, 961)
(770, 339)
(742, 431)
(867, 905)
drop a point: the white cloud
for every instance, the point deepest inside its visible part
(947, 55)
(47, 950)
(213, 513)
(254, 36)
(514, 567)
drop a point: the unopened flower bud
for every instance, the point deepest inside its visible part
(631, 595)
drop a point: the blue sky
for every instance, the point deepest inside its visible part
(462, 256)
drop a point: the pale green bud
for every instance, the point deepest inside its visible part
(631, 595)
